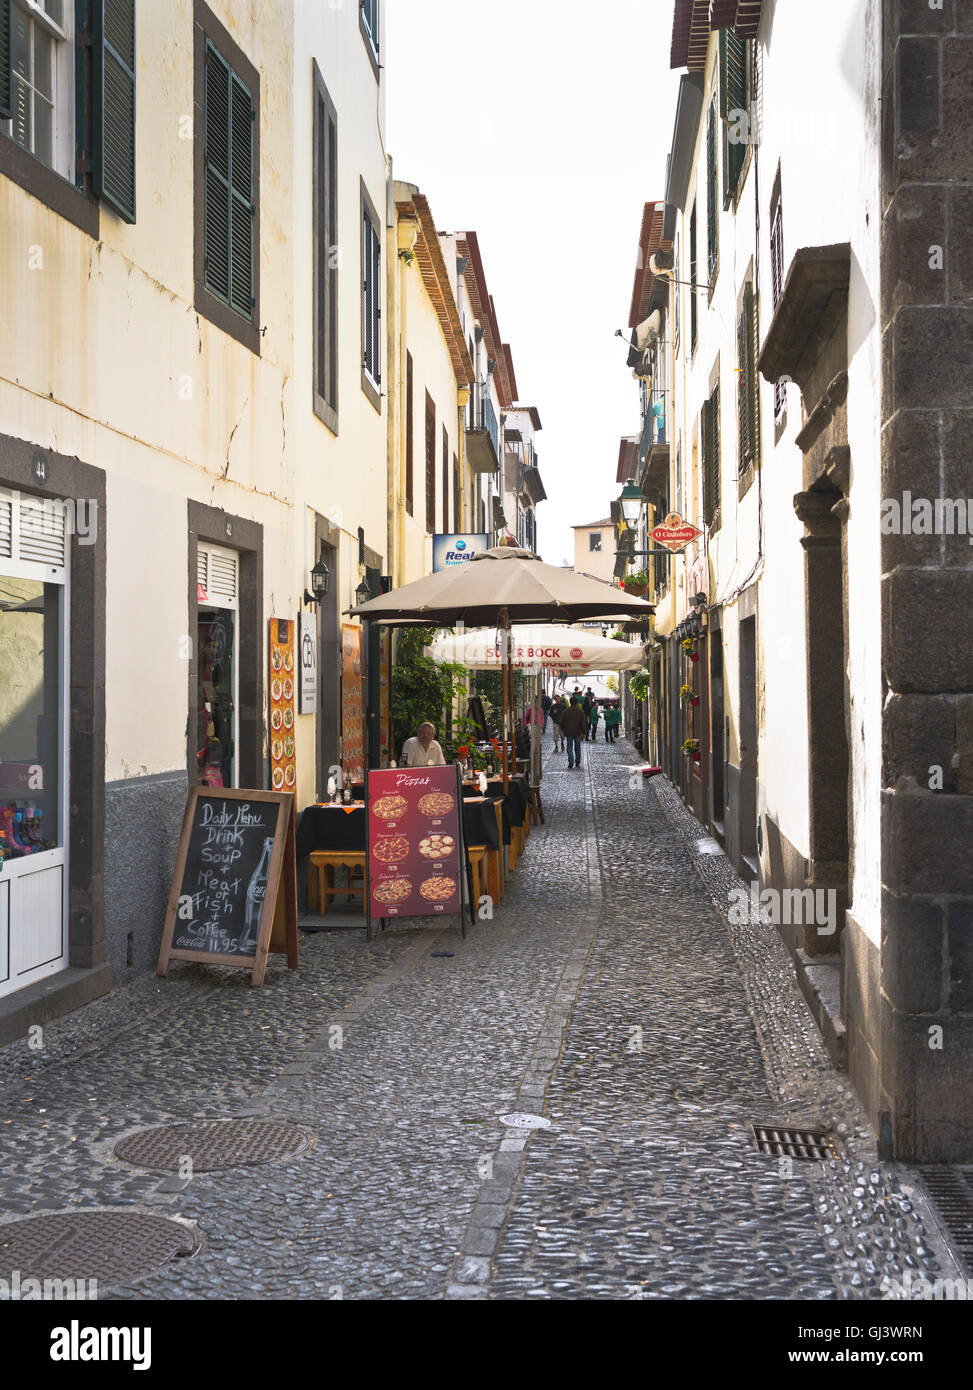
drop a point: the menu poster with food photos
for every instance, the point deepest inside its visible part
(352, 704)
(283, 765)
(416, 859)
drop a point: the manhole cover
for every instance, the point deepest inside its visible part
(217, 1144)
(110, 1247)
(787, 1142)
(520, 1120)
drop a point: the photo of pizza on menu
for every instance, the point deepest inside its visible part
(415, 847)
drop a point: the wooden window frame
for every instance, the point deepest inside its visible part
(370, 385)
(445, 497)
(206, 27)
(430, 464)
(409, 435)
(325, 239)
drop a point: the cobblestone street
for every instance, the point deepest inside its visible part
(609, 996)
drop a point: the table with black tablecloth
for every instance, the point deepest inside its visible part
(514, 801)
(336, 828)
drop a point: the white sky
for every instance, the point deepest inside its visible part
(544, 127)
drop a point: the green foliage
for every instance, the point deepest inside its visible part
(422, 689)
(637, 579)
(639, 684)
(612, 683)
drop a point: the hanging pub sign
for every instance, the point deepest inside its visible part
(674, 533)
(283, 766)
(308, 662)
(234, 890)
(416, 863)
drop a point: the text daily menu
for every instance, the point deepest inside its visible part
(415, 850)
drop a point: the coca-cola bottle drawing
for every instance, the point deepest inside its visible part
(256, 892)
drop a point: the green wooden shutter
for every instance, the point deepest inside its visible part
(715, 444)
(712, 230)
(6, 79)
(706, 430)
(229, 208)
(734, 67)
(113, 165)
(750, 306)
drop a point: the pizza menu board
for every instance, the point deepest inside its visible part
(283, 767)
(415, 852)
(352, 704)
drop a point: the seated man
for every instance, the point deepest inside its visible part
(423, 750)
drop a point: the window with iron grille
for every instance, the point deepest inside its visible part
(430, 464)
(693, 306)
(326, 254)
(229, 186)
(710, 430)
(594, 540)
(735, 67)
(748, 402)
(712, 193)
(409, 436)
(371, 268)
(777, 285)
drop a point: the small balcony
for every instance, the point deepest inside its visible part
(482, 433)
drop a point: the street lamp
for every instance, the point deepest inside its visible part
(630, 504)
(362, 594)
(319, 583)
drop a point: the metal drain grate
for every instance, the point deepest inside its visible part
(784, 1141)
(951, 1190)
(111, 1247)
(217, 1144)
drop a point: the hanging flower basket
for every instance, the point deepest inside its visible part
(691, 749)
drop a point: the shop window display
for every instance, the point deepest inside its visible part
(30, 717)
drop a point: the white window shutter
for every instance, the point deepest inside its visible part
(6, 528)
(42, 532)
(219, 573)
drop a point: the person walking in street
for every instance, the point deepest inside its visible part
(573, 727)
(613, 718)
(594, 714)
(586, 706)
(546, 703)
(558, 707)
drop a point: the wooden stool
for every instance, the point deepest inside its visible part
(476, 855)
(324, 862)
(536, 809)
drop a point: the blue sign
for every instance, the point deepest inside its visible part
(448, 551)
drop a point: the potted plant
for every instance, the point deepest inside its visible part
(689, 647)
(691, 749)
(636, 583)
(687, 696)
(639, 685)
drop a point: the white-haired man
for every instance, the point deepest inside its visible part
(423, 750)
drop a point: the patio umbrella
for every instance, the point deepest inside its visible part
(539, 648)
(502, 586)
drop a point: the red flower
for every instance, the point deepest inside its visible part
(463, 751)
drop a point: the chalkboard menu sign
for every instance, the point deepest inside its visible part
(234, 891)
(416, 857)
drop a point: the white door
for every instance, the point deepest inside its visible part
(34, 597)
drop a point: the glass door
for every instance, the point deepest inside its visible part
(216, 701)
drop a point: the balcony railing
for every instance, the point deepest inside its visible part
(482, 432)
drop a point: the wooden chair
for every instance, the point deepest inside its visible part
(323, 865)
(535, 809)
(495, 873)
